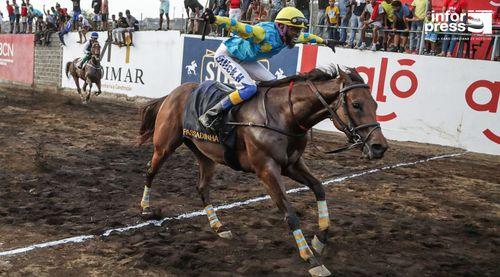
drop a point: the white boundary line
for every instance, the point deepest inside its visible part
(83, 238)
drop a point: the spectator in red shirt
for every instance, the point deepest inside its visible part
(234, 9)
(454, 6)
(105, 14)
(63, 15)
(449, 41)
(17, 12)
(24, 16)
(12, 16)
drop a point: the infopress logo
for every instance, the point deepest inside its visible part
(477, 22)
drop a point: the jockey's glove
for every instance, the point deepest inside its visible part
(208, 15)
(330, 43)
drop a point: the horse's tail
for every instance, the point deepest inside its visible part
(68, 64)
(148, 118)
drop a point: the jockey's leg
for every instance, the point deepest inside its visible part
(258, 71)
(245, 87)
(84, 60)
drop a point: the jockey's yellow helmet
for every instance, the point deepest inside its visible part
(291, 16)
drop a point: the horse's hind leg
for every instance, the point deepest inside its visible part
(167, 139)
(206, 172)
(77, 83)
(300, 173)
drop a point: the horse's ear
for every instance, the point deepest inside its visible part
(343, 75)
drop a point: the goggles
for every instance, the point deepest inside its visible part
(298, 20)
(294, 20)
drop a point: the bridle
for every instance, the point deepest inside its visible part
(349, 128)
(96, 57)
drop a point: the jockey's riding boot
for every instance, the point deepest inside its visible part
(212, 118)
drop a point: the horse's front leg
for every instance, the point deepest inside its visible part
(87, 98)
(270, 173)
(98, 88)
(300, 173)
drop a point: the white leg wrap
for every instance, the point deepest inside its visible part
(323, 217)
(304, 250)
(212, 218)
(145, 197)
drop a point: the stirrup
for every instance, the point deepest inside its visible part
(213, 123)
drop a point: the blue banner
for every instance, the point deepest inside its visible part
(198, 61)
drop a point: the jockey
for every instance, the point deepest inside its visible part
(238, 56)
(87, 47)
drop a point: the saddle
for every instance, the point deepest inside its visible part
(200, 100)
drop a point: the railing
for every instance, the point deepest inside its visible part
(493, 48)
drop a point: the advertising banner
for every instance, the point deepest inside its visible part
(428, 99)
(149, 68)
(198, 61)
(17, 58)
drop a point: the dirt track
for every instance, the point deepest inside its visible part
(67, 169)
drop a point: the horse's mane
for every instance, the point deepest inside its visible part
(318, 74)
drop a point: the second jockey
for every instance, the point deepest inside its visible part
(87, 47)
(238, 56)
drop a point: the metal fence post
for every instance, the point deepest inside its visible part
(494, 50)
(422, 36)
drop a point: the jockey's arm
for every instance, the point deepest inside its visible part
(243, 30)
(86, 47)
(310, 38)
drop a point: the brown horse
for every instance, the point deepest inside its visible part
(273, 144)
(91, 73)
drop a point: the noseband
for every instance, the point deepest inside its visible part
(349, 128)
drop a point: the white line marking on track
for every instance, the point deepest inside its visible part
(83, 238)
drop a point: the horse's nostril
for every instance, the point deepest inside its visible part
(378, 149)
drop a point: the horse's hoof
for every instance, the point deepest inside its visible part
(150, 213)
(320, 270)
(225, 234)
(317, 245)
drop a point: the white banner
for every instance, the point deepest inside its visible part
(150, 68)
(426, 99)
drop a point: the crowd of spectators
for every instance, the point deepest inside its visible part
(24, 18)
(394, 26)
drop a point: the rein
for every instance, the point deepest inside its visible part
(266, 125)
(349, 129)
(94, 67)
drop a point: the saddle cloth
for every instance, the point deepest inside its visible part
(202, 99)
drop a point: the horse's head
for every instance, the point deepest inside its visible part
(95, 51)
(355, 114)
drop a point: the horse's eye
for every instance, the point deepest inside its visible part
(356, 105)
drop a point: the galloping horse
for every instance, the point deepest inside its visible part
(91, 73)
(271, 140)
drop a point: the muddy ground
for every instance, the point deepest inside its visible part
(69, 169)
